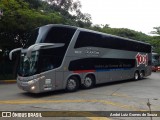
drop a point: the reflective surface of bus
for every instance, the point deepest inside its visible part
(66, 57)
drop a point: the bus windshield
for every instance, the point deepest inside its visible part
(40, 61)
(49, 58)
(28, 66)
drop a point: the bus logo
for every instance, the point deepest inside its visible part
(142, 59)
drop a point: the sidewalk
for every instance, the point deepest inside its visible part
(7, 81)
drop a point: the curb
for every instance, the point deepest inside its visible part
(7, 81)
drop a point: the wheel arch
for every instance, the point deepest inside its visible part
(143, 71)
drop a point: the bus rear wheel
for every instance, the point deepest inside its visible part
(136, 75)
(72, 84)
(141, 76)
(89, 81)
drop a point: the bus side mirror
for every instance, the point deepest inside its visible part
(13, 51)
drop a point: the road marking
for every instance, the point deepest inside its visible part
(98, 118)
(106, 102)
(112, 93)
(37, 101)
(95, 117)
(121, 105)
(121, 95)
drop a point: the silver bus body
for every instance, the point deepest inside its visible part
(87, 59)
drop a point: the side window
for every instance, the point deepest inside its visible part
(87, 39)
(113, 43)
(59, 35)
(50, 58)
(48, 62)
(100, 63)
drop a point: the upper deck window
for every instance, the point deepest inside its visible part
(89, 39)
(50, 34)
(59, 35)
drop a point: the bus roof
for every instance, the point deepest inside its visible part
(92, 31)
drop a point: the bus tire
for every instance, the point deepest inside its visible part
(88, 82)
(141, 75)
(72, 84)
(136, 75)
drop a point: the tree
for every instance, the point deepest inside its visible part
(157, 30)
(71, 11)
(67, 5)
(155, 41)
(18, 18)
(34, 4)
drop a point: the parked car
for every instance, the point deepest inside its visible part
(156, 68)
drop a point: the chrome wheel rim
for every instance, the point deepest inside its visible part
(141, 74)
(88, 82)
(71, 84)
(136, 76)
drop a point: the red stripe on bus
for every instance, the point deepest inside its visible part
(83, 71)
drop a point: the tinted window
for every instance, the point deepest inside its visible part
(50, 58)
(88, 39)
(48, 62)
(59, 35)
(101, 63)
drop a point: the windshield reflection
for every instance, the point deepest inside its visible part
(28, 66)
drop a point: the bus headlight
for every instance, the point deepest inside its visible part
(33, 88)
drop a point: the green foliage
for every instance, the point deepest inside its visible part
(18, 15)
(123, 32)
(21, 16)
(157, 30)
(155, 42)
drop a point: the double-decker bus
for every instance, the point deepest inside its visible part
(66, 57)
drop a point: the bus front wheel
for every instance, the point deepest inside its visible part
(72, 84)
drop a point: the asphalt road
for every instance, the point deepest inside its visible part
(142, 95)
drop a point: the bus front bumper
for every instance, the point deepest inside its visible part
(30, 85)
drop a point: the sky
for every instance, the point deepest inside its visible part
(138, 15)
